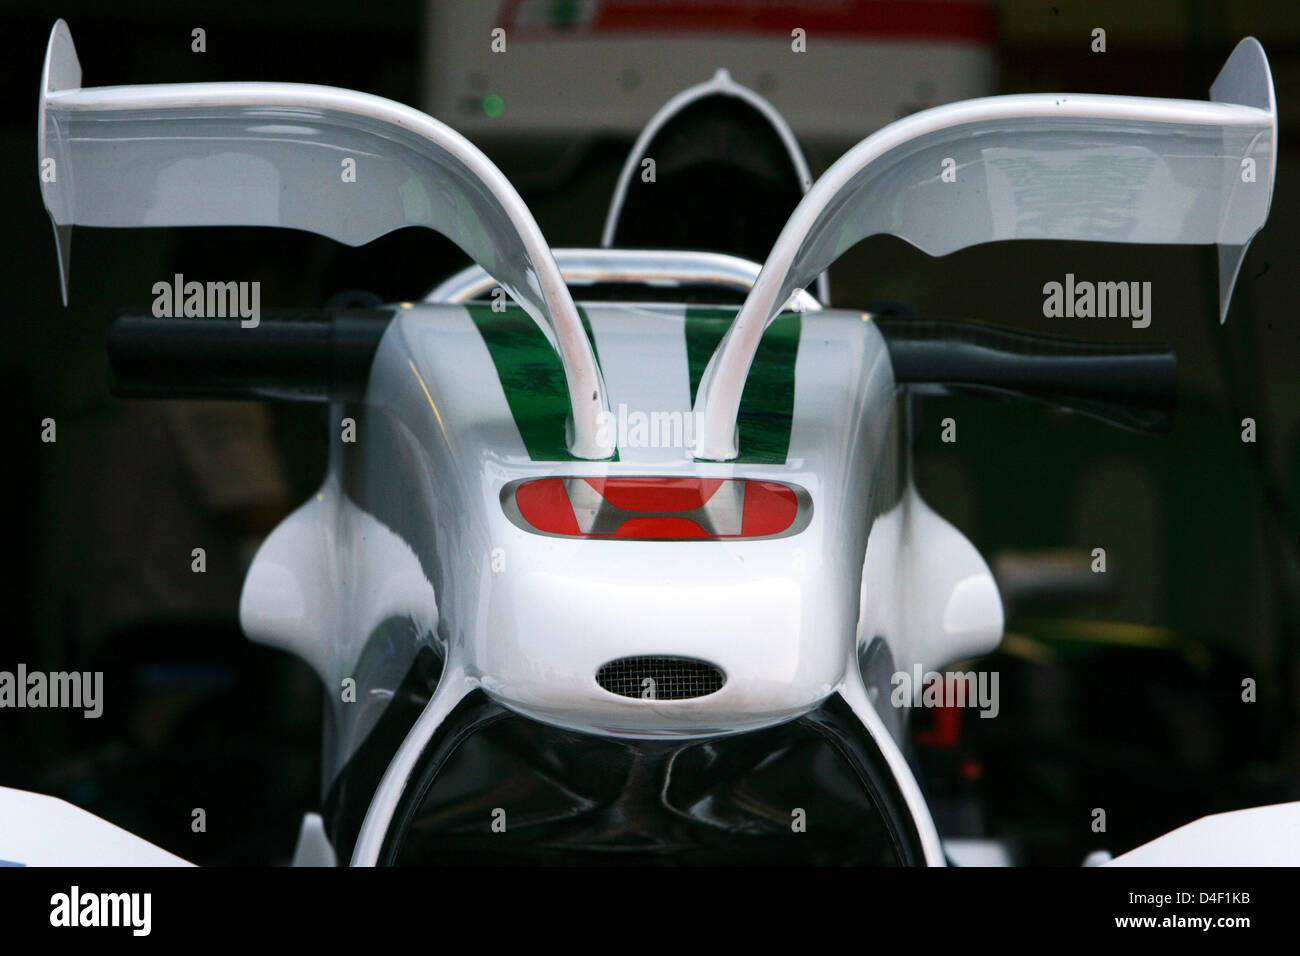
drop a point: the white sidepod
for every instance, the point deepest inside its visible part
(329, 575)
(926, 590)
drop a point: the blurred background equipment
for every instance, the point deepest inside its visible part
(576, 69)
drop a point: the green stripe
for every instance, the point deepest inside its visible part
(767, 403)
(531, 375)
(537, 394)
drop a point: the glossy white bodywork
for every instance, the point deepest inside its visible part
(780, 617)
(530, 619)
(313, 847)
(1260, 836)
(36, 830)
(664, 269)
(925, 589)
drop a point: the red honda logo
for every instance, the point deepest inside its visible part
(657, 509)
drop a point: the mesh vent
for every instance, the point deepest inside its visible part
(660, 678)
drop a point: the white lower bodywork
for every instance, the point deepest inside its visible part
(36, 830)
(1260, 836)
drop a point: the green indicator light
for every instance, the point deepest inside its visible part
(493, 105)
(564, 13)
